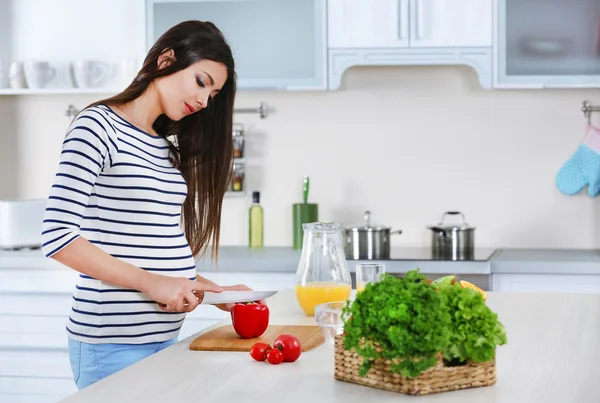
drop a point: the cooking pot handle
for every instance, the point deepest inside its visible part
(440, 231)
(367, 219)
(453, 213)
(398, 231)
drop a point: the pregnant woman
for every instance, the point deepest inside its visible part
(137, 195)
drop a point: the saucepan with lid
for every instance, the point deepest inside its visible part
(368, 242)
(455, 241)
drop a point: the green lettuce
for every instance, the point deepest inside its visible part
(406, 317)
(474, 328)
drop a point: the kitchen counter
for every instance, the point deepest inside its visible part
(552, 355)
(285, 260)
(546, 261)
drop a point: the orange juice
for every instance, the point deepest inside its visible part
(313, 294)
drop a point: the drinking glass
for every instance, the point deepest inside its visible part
(368, 273)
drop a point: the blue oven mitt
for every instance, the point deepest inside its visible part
(569, 179)
(583, 168)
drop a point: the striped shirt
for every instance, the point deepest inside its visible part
(116, 187)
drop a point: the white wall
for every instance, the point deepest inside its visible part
(405, 143)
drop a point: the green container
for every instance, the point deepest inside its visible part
(303, 213)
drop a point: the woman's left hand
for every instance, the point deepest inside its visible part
(237, 287)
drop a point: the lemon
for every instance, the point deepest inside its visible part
(466, 284)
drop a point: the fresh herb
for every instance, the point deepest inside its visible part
(399, 319)
(474, 329)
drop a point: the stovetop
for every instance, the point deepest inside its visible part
(425, 253)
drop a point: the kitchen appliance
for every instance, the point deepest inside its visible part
(368, 242)
(453, 241)
(21, 223)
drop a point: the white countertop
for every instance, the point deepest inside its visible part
(285, 259)
(552, 356)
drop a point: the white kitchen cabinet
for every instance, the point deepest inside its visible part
(547, 44)
(559, 283)
(367, 24)
(409, 33)
(276, 44)
(409, 23)
(450, 23)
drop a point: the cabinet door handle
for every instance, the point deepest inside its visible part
(400, 26)
(418, 23)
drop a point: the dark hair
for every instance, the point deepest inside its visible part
(203, 145)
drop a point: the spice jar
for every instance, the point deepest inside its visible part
(238, 142)
(237, 178)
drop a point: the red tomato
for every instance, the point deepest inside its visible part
(289, 346)
(259, 351)
(274, 356)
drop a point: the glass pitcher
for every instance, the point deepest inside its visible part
(322, 274)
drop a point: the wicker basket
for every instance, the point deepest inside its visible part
(434, 380)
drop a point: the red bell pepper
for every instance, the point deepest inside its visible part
(250, 319)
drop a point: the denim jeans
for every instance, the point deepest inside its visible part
(93, 362)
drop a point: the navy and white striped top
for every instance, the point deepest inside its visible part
(116, 187)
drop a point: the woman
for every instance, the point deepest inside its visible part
(133, 168)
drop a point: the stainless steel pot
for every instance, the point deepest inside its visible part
(368, 242)
(452, 241)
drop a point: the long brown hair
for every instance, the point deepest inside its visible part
(203, 145)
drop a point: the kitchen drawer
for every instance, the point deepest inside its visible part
(44, 386)
(35, 304)
(191, 327)
(37, 332)
(60, 281)
(35, 364)
(33, 324)
(30, 398)
(576, 283)
(40, 341)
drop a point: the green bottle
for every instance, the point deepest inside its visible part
(255, 240)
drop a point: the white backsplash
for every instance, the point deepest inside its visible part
(405, 143)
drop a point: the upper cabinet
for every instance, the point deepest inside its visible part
(365, 24)
(88, 47)
(276, 44)
(409, 23)
(451, 23)
(546, 44)
(409, 32)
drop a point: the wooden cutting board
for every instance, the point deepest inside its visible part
(224, 338)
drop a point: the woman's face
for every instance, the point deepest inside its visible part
(189, 90)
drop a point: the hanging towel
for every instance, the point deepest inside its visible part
(583, 168)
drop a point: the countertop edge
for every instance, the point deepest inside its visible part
(239, 259)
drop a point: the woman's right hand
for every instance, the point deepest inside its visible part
(176, 294)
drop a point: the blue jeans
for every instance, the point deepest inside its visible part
(93, 362)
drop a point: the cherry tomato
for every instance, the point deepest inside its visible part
(274, 356)
(259, 351)
(289, 346)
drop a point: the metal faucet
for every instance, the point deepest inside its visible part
(71, 112)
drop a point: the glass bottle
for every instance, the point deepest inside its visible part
(255, 227)
(322, 274)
